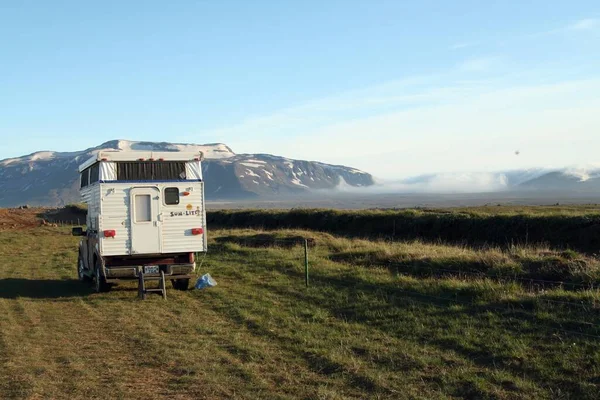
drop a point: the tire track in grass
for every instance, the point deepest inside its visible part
(12, 384)
(180, 326)
(273, 366)
(105, 344)
(174, 348)
(45, 358)
(77, 348)
(258, 357)
(15, 380)
(69, 353)
(25, 335)
(15, 330)
(53, 366)
(100, 353)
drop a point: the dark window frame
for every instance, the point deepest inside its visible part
(94, 173)
(167, 196)
(85, 178)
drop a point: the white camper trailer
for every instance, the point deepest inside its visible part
(145, 216)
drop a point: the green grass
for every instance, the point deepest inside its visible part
(361, 330)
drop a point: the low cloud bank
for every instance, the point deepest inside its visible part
(472, 182)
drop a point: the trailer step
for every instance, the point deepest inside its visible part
(142, 290)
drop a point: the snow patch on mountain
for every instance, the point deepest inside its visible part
(39, 156)
(9, 161)
(251, 173)
(42, 155)
(251, 165)
(296, 181)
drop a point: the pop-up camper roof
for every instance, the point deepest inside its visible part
(110, 166)
(130, 156)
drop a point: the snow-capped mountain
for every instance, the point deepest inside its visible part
(51, 178)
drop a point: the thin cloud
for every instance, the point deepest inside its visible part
(477, 127)
(582, 25)
(416, 92)
(479, 64)
(463, 45)
(586, 24)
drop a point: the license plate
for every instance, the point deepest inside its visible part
(151, 269)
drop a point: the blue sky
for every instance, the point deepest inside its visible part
(394, 87)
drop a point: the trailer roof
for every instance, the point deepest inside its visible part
(108, 155)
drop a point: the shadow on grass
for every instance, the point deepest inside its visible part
(12, 288)
(266, 240)
(486, 353)
(317, 362)
(441, 317)
(548, 272)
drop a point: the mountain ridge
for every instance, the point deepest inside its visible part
(50, 178)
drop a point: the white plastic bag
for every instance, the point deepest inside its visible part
(205, 281)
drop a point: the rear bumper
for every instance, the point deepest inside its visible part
(173, 271)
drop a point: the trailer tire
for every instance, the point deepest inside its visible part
(100, 284)
(181, 284)
(81, 275)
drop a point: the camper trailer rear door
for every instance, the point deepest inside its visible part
(145, 221)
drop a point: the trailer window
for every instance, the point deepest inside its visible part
(85, 178)
(94, 173)
(151, 171)
(171, 196)
(143, 207)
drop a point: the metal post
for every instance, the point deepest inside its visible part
(306, 261)
(141, 285)
(162, 285)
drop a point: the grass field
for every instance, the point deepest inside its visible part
(380, 320)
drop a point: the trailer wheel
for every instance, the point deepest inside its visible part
(100, 284)
(180, 284)
(81, 270)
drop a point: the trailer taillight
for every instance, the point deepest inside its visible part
(197, 231)
(185, 193)
(110, 233)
